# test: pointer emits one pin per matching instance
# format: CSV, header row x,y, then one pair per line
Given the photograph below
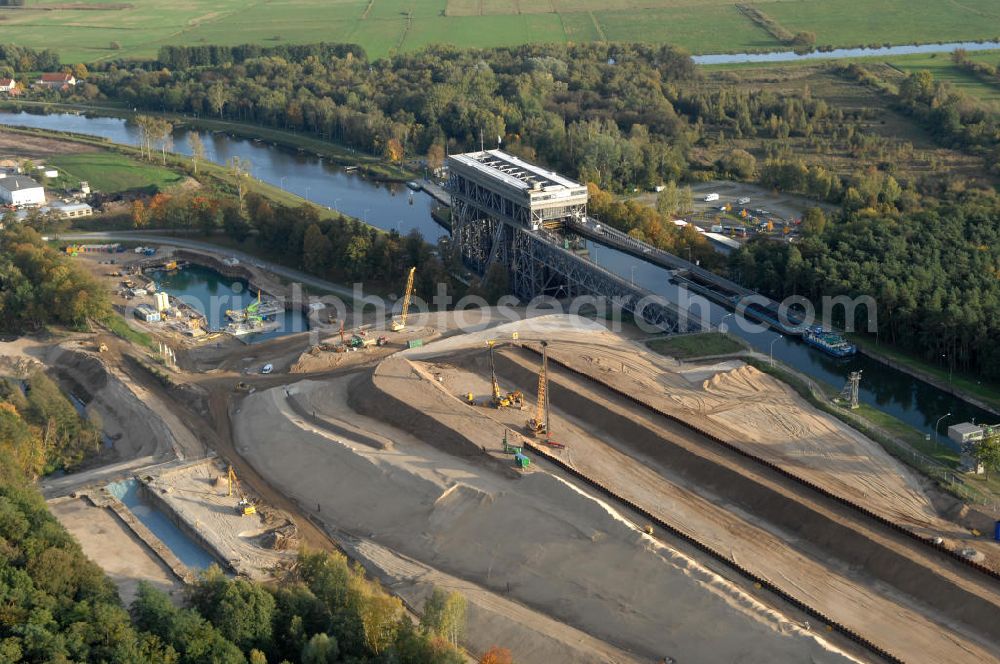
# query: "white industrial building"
x,y
20,190
69,210
965,432
147,313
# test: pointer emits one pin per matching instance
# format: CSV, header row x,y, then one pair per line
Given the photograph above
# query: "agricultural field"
x,y
944,69
110,173
95,30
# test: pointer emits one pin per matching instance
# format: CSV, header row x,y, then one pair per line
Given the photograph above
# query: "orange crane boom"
x,y
540,422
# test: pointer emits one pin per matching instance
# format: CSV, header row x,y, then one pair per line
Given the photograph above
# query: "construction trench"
x,y
852,571
698,511
784,542
820,527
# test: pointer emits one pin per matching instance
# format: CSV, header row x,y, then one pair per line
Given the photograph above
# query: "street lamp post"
x,y
336,204
722,323
944,356
365,213
283,182
936,424
771,349
632,278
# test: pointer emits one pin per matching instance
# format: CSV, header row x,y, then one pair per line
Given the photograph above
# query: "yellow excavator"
x,y
244,507
399,324
499,399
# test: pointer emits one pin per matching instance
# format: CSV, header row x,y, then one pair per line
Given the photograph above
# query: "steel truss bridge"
x,y
505,212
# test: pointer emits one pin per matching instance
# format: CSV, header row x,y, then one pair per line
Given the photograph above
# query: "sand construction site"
x,y
749,551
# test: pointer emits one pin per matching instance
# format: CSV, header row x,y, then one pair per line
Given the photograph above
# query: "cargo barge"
x,y
830,343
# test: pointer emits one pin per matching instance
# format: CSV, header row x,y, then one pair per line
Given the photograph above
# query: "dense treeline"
x,y
23,59
933,273
181,57
39,286
42,427
57,605
620,116
324,611
341,249
565,105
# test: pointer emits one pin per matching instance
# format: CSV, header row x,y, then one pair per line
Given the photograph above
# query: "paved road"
x,y
152,237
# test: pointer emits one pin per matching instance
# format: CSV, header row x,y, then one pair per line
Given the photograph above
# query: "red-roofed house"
x,y
56,80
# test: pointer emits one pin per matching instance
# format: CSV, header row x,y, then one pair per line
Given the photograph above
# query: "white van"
x,y
711,197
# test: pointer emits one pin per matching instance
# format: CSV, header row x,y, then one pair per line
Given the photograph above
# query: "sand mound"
x,y
542,541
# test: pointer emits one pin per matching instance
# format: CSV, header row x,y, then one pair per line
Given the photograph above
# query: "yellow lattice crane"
x,y
539,424
399,324
244,507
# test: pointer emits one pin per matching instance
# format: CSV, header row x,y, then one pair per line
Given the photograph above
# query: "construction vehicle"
x,y
358,341
499,399
539,424
244,507
399,324
508,448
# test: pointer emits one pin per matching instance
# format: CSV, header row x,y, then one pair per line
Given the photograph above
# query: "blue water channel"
x,y
185,548
386,205
211,294
909,399
841,53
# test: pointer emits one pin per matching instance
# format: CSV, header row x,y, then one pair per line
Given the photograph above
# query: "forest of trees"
x,y
58,606
39,286
23,59
620,116
341,249
42,428
933,272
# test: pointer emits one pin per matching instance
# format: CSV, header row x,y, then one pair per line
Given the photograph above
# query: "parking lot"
x,y
780,206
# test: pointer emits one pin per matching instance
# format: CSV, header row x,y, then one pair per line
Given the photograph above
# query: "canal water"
x,y
909,399
895,392
186,549
841,53
386,205
211,294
